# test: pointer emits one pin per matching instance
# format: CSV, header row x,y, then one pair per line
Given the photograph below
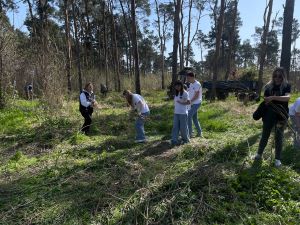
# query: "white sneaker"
x,y
140,141
277,163
257,156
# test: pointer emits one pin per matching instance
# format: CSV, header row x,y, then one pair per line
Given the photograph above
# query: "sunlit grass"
x,y
50,173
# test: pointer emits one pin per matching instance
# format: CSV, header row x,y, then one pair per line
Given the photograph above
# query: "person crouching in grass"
x,y
181,102
138,104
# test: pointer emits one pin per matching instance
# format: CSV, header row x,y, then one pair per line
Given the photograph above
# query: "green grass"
x,y
52,174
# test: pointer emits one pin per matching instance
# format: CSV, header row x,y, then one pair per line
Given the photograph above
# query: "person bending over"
x,y
138,104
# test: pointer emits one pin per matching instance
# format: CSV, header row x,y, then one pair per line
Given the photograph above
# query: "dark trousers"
x,y
270,121
87,115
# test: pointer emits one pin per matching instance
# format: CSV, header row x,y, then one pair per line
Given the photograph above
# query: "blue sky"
x,y
251,12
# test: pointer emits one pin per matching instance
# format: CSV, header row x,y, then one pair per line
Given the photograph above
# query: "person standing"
x,y
87,102
276,97
294,112
181,102
195,94
138,104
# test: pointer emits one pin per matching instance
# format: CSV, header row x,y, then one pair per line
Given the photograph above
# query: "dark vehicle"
x,y
244,90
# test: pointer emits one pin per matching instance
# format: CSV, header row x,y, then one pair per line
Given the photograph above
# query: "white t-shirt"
x,y
136,98
295,108
180,108
193,88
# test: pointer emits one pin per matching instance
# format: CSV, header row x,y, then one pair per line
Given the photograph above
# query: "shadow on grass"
x,y
110,191
157,148
291,156
235,152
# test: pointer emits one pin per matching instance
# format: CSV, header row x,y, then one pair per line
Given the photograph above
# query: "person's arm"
x,y
196,95
84,101
185,101
285,98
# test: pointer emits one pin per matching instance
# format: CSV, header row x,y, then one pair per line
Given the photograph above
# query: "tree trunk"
x,y
181,41
175,41
2,101
135,49
263,48
77,47
285,60
68,40
105,44
217,52
128,47
115,49
232,35
161,45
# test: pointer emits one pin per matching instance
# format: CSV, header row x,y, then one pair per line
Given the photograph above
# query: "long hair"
x,y
284,82
128,95
179,83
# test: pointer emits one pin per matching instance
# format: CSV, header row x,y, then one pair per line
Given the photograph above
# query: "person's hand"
x,y
268,99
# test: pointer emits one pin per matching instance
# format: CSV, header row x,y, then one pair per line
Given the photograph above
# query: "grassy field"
x,y
52,174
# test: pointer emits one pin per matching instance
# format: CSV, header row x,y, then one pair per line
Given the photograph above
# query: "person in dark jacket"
x,y
276,98
87,103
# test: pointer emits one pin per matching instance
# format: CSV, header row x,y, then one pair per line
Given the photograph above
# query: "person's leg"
x,y
296,132
267,128
87,121
139,128
279,132
184,128
195,119
191,113
175,130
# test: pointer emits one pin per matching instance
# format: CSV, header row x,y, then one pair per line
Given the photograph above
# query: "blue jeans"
x,y
297,132
180,124
193,116
139,126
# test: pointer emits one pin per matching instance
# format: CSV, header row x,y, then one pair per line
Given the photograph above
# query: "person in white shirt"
x,y
181,102
294,112
138,103
195,94
87,102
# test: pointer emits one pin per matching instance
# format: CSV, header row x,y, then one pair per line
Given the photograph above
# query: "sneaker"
x,y
200,135
257,156
140,141
277,163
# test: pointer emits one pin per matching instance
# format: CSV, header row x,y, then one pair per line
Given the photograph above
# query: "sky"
x,y
251,13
